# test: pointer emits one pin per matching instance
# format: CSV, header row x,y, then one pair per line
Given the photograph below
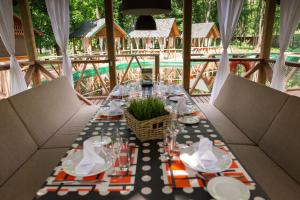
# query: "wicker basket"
x,y
148,129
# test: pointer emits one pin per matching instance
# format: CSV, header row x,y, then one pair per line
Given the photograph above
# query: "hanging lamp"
x,y
145,23
146,7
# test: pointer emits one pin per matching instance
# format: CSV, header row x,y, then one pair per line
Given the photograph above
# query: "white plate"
x,y
96,140
189,120
117,94
119,102
175,98
191,109
70,163
224,160
227,188
105,112
175,92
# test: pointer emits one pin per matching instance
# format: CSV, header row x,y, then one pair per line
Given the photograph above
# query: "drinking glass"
x,y
124,155
114,146
170,149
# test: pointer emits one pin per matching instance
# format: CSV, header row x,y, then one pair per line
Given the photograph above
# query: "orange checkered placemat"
x,y
177,175
120,181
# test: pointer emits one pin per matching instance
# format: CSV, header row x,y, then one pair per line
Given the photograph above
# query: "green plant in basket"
x,y
149,108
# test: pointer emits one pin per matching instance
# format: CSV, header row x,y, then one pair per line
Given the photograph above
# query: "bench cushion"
x,y
274,181
282,141
68,133
230,133
24,184
250,106
79,120
46,108
17,145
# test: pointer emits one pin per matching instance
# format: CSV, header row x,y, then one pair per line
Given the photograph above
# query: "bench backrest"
x,y
250,106
282,140
17,145
46,108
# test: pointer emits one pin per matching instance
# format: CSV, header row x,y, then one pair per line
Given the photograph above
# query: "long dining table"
x,y
150,175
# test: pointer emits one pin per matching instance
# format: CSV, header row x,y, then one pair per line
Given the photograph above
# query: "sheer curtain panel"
x,y
7,33
58,11
228,14
289,19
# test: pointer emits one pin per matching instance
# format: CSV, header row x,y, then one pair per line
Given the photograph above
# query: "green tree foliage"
x,y
203,10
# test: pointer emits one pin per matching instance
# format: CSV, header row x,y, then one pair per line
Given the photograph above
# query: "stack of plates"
x,y
227,188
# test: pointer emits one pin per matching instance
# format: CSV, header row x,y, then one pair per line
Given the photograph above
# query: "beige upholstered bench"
x,y
262,127
36,127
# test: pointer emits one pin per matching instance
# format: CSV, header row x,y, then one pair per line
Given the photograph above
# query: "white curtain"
x,y
228,15
7,33
101,43
137,42
161,43
289,19
118,42
171,41
58,11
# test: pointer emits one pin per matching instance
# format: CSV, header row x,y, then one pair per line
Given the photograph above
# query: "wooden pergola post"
x,y
265,49
108,9
33,73
28,30
187,33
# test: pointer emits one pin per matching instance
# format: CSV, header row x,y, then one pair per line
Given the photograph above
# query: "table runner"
x,y
149,179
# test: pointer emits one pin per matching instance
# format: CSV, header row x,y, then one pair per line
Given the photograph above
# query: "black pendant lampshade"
x,y
145,23
146,7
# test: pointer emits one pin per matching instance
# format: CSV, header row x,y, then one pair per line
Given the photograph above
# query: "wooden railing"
x,y
208,67
203,69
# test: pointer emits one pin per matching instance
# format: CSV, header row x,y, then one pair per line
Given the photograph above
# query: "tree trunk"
x,y
208,11
97,13
260,27
57,50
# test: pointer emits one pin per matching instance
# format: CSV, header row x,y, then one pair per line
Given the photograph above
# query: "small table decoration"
x,y
147,118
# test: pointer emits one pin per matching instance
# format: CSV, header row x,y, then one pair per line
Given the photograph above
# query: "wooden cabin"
x,y
163,38
96,30
21,52
204,34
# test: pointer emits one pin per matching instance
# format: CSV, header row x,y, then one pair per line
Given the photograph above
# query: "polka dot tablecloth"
x,y
148,175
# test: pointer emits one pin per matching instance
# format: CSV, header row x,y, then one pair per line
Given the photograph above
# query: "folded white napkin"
x,y
89,160
120,91
204,154
181,106
114,108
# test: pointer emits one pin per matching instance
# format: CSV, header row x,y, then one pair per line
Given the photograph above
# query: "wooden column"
x,y
187,32
269,17
156,68
108,8
28,30
123,43
265,49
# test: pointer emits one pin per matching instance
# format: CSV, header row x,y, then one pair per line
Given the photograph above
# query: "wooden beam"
x,y
269,17
36,77
156,68
28,30
82,98
138,62
187,32
252,70
127,69
199,76
100,79
111,54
